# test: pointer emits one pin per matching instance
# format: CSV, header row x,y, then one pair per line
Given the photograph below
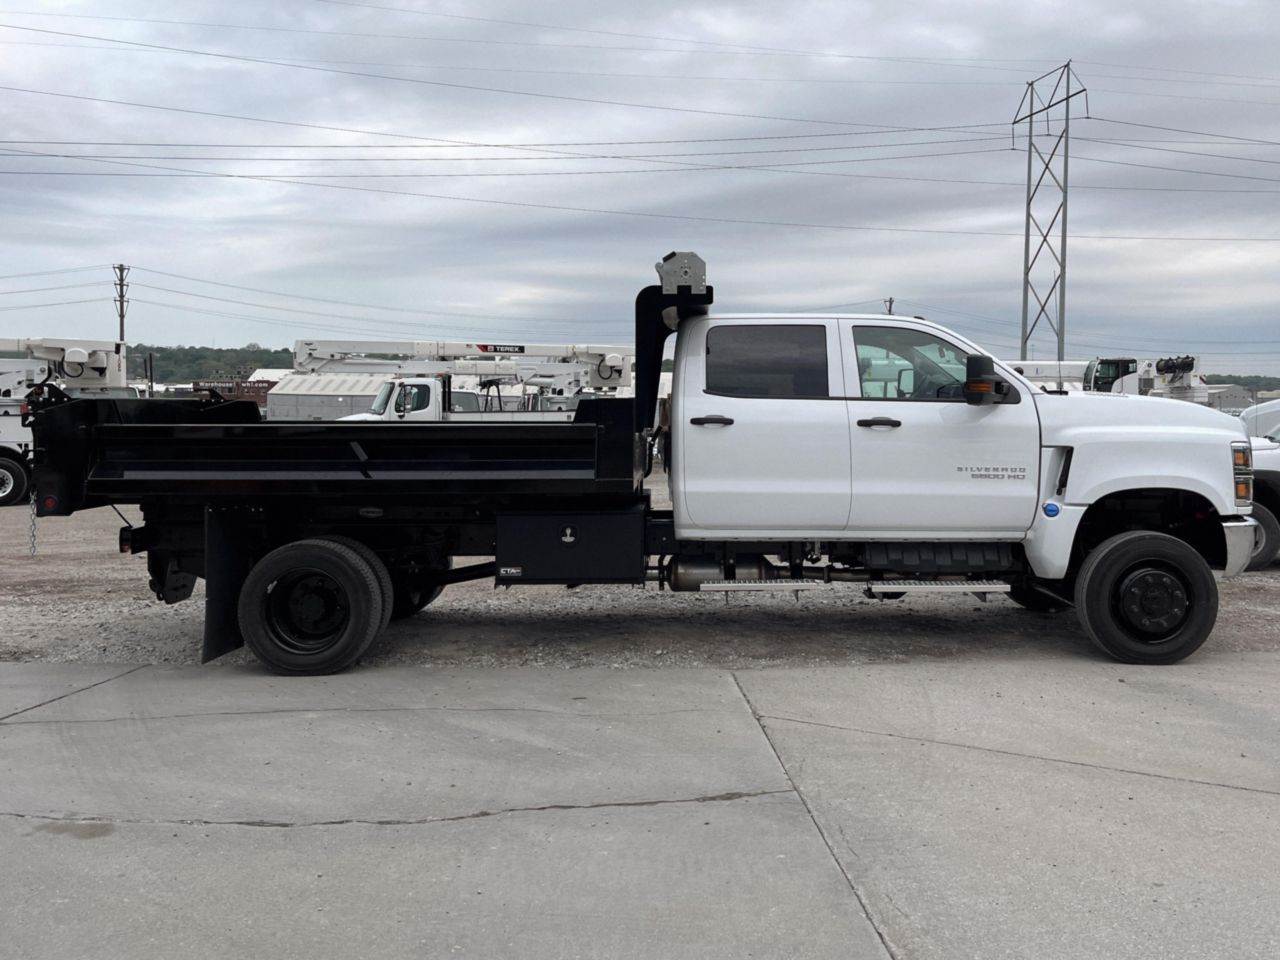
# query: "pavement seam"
x,y
72,693
356,821
1027,756
304,710
853,888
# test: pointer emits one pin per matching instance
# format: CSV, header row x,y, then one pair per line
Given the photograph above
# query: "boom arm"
x,y
80,363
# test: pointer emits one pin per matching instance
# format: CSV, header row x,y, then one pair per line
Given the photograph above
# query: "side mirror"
x,y
906,381
980,380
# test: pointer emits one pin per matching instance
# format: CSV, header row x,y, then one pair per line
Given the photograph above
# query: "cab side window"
x,y
898,363
766,360
411,399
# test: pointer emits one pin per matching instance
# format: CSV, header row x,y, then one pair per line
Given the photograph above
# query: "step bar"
x,y
872,588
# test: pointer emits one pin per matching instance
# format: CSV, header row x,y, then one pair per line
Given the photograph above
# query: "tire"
x,y
379,570
1025,595
414,591
14,482
1146,598
1266,545
310,607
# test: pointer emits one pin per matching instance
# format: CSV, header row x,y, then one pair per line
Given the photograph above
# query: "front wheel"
x,y
1146,598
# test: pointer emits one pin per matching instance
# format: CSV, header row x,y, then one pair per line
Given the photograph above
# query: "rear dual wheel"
x,y
1146,598
311,607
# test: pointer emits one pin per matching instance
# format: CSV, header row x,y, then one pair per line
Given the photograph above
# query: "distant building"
x,y
1229,397
237,388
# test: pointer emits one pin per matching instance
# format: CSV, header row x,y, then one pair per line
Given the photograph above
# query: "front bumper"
x,y
1239,535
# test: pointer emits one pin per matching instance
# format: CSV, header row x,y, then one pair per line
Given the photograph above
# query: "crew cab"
x,y
806,452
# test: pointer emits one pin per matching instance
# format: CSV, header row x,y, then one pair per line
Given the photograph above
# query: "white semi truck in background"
x,y
79,367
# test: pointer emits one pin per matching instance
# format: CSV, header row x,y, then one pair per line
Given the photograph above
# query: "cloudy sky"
x,y
510,171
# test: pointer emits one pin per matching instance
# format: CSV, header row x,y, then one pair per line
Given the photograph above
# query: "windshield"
x,y
383,398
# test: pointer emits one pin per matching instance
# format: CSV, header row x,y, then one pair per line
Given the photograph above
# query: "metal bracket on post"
x,y
1047,100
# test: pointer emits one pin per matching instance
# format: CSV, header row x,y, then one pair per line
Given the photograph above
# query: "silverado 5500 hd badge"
x,y
994,473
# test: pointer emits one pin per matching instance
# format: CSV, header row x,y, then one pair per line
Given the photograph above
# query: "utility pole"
x,y
888,306
1047,101
122,288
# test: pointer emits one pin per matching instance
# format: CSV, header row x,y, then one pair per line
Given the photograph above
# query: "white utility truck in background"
x,y
1173,378
433,400
480,378
80,367
797,464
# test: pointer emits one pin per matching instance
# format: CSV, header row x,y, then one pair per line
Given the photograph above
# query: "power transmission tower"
x,y
1047,101
122,288
888,306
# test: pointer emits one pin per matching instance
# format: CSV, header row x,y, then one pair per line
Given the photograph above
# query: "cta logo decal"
x,y
994,473
511,571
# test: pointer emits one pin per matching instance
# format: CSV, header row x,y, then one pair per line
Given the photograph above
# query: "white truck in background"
x,y
79,367
433,400
1172,378
436,379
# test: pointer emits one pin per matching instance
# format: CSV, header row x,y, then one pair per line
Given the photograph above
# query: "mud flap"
x,y
226,564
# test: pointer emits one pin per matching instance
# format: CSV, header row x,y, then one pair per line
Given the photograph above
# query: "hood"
x,y
359,418
1104,411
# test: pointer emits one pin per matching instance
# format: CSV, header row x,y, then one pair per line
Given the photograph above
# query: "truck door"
x,y
761,439
925,463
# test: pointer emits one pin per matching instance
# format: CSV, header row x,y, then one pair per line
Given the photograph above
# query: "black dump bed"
x,y
93,452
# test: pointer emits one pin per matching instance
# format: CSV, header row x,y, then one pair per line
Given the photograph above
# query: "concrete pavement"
x,y
1026,806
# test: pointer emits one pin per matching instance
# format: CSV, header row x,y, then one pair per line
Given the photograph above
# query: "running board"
x,y
872,588
762,586
876,587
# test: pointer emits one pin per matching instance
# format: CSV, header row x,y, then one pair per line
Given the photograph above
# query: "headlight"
x,y
1242,471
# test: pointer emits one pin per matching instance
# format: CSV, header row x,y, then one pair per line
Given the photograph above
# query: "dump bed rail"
x,y
93,452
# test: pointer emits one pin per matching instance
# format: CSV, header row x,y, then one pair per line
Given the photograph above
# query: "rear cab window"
x,y
775,361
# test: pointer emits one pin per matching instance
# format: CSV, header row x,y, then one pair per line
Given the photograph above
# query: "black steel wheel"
x,y
1266,538
414,589
1146,598
13,482
310,607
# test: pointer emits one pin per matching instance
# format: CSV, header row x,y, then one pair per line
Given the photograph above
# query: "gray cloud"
x,y
579,271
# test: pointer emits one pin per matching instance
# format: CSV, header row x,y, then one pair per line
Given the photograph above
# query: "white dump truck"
x,y
882,454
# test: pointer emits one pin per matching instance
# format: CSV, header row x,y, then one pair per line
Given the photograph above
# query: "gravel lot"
x,y
81,601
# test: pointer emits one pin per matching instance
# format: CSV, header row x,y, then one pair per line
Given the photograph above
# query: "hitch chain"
x,y
33,523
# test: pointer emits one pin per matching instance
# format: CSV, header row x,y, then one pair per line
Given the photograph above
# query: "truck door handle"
x,y
714,418
880,422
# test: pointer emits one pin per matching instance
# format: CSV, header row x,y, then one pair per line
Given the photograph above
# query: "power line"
x,y
738,49
684,218
1201,133
61,303
642,156
50,273
340,316
69,286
